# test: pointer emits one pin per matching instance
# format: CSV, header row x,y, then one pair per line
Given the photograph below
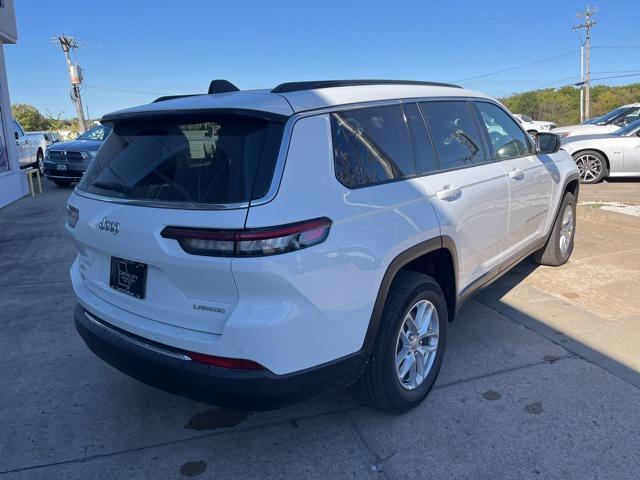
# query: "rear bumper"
x,y
171,370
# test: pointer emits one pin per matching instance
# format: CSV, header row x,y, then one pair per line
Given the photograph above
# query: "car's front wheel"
x,y
560,243
40,163
409,349
592,166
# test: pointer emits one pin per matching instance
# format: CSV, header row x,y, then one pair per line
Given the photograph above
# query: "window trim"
x,y
488,138
413,140
352,106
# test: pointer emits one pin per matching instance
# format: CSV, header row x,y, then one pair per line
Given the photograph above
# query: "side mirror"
x,y
547,142
16,135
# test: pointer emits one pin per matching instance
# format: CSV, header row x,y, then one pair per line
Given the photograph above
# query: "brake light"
x,y
254,242
224,362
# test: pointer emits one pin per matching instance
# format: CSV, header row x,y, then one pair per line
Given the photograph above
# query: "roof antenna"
x,y
222,86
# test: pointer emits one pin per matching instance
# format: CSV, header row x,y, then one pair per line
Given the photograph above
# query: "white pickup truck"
x,y
30,147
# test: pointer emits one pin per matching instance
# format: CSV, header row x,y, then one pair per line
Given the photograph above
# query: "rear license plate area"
x,y
128,277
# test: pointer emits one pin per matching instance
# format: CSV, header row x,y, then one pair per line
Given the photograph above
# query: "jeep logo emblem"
x,y
109,226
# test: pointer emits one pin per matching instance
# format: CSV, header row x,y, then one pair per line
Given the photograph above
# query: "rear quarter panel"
x,y
371,226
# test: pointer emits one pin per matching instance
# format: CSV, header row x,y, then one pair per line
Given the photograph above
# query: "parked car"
x,y
250,249
66,162
533,126
608,123
614,154
30,147
49,137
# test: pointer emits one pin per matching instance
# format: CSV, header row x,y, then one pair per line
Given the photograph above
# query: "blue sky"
x,y
134,51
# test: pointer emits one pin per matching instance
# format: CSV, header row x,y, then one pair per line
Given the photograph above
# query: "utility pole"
x,y
582,117
587,24
75,75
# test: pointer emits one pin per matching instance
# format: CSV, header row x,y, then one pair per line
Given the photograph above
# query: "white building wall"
x,y
13,182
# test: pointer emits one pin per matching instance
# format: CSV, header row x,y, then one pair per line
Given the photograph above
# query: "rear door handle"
x,y
449,192
517,174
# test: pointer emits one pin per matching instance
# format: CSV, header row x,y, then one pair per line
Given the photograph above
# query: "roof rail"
x,y
310,85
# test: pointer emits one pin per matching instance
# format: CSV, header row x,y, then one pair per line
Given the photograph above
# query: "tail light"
x,y
72,216
254,242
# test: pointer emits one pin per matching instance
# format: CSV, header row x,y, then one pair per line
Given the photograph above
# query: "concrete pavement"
x,y
540,380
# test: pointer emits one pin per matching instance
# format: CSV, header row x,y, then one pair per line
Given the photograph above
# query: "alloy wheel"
x,y
590,167
566,229
417,344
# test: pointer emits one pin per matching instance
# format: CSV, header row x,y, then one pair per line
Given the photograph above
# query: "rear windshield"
x,y
226,159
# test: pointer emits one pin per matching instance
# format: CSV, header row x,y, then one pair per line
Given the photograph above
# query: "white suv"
x,y
253,248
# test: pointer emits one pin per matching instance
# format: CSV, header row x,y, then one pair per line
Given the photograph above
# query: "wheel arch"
x,y
436,257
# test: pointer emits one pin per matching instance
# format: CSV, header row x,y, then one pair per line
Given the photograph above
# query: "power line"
x,y
618,76
618,46
573,80
517,67
563,81
143,92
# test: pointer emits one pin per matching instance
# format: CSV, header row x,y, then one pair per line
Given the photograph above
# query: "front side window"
x,y
608,117
221,160
371,146
627,117
454,132
507,139
629,129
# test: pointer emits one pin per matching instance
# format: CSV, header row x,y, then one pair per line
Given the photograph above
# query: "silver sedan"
x,y
600,156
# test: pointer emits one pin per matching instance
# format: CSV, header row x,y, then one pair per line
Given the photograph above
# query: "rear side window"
x,y
371,145
422,146
454,132
226,159
507,139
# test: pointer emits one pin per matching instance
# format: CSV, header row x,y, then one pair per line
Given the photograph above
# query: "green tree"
x,y
562,105
56,122
29,117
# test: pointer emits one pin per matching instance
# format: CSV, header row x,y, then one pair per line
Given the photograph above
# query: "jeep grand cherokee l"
x,y
253,248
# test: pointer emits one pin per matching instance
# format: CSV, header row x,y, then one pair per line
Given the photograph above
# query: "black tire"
x,y
40,163
379,383
592,165
62,183
554,254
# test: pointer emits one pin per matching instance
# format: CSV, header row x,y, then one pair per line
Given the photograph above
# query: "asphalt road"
x,y
541,380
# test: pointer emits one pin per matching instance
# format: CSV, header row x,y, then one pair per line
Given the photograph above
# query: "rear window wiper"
x,y
113,186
